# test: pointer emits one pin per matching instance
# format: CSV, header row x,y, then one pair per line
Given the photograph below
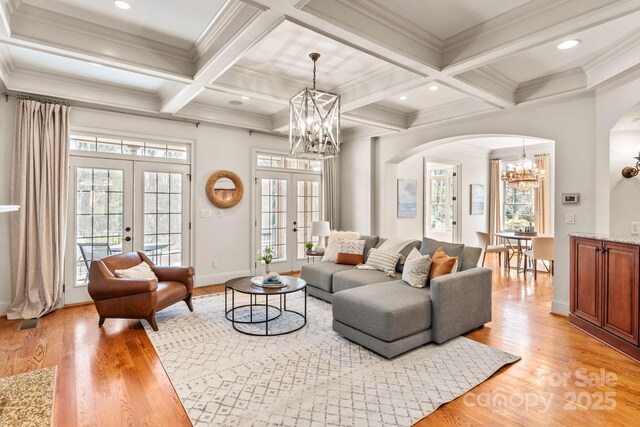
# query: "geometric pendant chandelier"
x,y
314,122
524,175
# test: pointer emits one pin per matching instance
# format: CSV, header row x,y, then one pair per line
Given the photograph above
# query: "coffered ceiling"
x,y
237,62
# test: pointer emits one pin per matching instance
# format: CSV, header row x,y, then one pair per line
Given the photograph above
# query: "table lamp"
x,y
320,229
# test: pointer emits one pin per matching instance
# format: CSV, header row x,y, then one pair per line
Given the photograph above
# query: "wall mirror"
x,y
224,189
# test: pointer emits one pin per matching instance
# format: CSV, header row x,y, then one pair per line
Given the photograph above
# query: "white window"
x,y
440,185
128,147
518,205
265,160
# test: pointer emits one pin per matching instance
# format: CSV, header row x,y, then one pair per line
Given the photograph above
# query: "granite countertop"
x,y
631,240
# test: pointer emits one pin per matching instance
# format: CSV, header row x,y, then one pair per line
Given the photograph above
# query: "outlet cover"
x,y
214,263
635,228
205,213
570,218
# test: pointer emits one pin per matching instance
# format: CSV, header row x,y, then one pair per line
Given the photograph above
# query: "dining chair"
x,y
487,247
541,249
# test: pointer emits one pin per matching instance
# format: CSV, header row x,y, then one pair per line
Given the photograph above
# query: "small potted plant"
x,y
266,256
308,246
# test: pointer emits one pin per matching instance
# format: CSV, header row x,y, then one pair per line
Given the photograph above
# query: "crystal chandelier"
x,y
314,122
524,175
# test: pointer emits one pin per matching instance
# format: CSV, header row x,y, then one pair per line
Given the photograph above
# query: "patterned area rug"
x,y
27,399
310,377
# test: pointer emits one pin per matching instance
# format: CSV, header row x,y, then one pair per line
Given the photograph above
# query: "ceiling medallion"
x,y
314,122
524,175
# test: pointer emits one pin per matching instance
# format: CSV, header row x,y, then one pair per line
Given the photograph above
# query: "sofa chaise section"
x,y
319,277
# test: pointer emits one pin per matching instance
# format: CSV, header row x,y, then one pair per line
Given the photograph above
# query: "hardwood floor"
x,y
111,376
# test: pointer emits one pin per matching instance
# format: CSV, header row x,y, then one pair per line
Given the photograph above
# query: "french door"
x,y
121,206
286,205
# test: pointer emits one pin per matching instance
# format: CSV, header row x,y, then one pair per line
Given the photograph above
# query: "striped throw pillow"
x,y
383,261
350,252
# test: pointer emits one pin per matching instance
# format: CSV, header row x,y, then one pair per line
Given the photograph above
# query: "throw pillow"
x,y
383,261
331,252
416,269
350,252
442,264
429,247
140,271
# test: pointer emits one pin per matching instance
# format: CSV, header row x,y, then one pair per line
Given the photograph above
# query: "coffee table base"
x,y
267,320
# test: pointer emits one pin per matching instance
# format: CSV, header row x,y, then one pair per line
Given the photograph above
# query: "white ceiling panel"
x,y
177,23
547,59
422,98
447,18
285,53
33,60
226,100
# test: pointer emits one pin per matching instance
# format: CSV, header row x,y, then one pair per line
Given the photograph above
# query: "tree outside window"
x,y
518,205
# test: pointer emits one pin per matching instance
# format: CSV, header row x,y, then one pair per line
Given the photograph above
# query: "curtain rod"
x,y
43,100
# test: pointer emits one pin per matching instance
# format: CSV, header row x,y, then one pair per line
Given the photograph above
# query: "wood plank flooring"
x,y
112,376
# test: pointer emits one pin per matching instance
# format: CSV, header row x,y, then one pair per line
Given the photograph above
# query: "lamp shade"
x,y
320,228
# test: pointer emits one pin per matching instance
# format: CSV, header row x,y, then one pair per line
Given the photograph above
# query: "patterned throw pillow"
x,y
350,252
416,269
331,253
383,261
442,264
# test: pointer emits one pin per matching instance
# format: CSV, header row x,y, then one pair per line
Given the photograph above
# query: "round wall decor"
x,y
224,189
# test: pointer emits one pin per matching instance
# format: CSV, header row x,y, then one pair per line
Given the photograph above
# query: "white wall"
x,y
474,169
569,121
624,193
7,115
226,239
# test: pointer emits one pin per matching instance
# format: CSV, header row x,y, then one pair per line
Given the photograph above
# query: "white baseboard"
x,y
4,307
215,279
560,307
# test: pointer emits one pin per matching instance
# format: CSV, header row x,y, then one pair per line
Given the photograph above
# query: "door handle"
x,y
597,249
295,230
127,229
127,239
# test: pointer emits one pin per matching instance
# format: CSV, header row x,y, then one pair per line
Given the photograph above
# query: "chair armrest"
x,y
175,274
460,302
104,285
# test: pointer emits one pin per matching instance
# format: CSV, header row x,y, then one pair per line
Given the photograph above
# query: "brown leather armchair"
x,y
137,298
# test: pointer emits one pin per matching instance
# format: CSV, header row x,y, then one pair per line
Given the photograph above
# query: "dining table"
x,y
518,243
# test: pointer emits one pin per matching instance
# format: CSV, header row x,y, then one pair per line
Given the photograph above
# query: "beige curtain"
x,y
495,204
332,192
39,185
541,197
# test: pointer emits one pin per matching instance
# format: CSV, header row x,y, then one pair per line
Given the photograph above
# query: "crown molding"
x,y
242,119
449,111
63,87
463,148
619,57
560,83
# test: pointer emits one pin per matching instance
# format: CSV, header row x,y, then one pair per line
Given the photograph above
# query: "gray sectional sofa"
x,y
390,317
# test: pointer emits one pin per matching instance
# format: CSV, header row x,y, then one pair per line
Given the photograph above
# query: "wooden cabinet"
x,y
605,292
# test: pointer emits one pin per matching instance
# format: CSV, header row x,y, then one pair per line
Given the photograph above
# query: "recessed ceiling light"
x,y
568,44
235,102
403,98
245,97
433,88
122,4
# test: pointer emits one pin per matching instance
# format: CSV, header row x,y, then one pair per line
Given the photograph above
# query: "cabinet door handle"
x,y
597,249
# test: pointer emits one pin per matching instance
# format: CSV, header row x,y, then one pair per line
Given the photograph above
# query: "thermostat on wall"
x,y
570,198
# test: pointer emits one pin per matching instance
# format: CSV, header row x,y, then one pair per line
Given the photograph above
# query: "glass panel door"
x,y
308,202
163,203
272,223
100,218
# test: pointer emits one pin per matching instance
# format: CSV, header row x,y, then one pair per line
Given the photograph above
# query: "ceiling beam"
x,y
525,27
620,57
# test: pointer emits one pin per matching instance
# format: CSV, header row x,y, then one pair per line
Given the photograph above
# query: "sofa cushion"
x,y
319,274
471,257
369,243
355,278
405,252
430,246
387,311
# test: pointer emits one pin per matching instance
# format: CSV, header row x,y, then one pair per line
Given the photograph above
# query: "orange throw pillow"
x,y
442,264
350,259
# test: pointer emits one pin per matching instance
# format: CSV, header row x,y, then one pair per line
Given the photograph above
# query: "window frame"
x,y
448,200
506,189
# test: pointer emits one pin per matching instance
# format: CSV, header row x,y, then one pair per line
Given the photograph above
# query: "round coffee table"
x,y
244,286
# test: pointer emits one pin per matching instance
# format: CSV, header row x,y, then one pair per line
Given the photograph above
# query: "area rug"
x,y
309,377
27,399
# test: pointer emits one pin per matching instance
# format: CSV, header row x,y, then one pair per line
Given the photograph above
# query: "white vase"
x,y
267,269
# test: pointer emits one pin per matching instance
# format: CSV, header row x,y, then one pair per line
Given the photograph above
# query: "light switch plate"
x,y
205,213
570,218
635,228
220,213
